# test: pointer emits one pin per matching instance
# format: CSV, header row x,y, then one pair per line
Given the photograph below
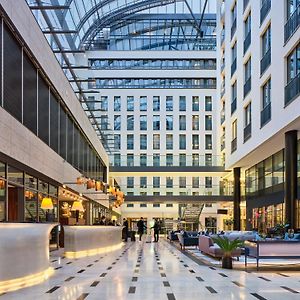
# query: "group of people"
x,y
108,222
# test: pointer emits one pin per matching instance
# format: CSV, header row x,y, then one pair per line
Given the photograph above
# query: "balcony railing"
x,y
265,62
247,86
292,90
247,132
233,145
264,10
233,106
247,42
265,115
292,24
233,67
233,28
245,4
222,116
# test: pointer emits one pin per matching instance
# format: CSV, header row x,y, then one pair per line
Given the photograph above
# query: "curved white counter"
x,y
83,241
24,254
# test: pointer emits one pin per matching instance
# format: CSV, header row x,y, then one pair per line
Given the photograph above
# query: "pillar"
x,y
236,199
290,187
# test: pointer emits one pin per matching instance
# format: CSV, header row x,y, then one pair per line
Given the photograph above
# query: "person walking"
x,y
125,230
141,227
156,228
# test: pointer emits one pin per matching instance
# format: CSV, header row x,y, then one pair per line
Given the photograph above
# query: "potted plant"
x,y
228,247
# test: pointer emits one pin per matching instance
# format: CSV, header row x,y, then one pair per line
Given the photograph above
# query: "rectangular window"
x,y
156,122
208,142
130,141
169,141
143,182
182,141
117,141
195,159
208,122
182,182
156,160
169,205
117,122
104,103
208,103
208,160
169,160
248,115
247,70
143,142
156,103
195,182
195,122
117,103
156,141
130,204
234,136
195,103
130,122
143,160
156,182
169,182
169,103
130,182
247,26
117,159
143,204
208,182
266,41
130,160
156,204
266,100
169,122
130,103
143,122
182,160
143,103
182,122
195,141
293,64
182,103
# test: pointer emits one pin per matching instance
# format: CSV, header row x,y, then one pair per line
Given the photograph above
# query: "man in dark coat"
x,y
156,228
141,227
125,229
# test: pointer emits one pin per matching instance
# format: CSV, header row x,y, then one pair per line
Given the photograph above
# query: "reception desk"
x,y
24,255
83,241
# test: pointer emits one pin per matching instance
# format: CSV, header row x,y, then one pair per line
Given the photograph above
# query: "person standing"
x,y
125,230
156,228
141,227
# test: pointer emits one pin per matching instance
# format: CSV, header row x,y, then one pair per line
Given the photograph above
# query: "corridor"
x,y
153,271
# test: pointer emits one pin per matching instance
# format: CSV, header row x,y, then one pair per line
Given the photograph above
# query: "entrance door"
x,y
15,204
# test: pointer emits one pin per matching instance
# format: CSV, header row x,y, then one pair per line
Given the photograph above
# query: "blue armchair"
x,y
188,238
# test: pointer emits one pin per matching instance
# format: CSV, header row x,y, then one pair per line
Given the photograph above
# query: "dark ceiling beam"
x,y
59,31
48,7
67,51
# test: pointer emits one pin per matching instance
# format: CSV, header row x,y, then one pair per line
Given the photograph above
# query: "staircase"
x,y
191,213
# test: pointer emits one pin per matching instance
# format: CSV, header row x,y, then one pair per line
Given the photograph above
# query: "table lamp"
x,y
77,207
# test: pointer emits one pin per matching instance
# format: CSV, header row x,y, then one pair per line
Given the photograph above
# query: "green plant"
x,y
228,246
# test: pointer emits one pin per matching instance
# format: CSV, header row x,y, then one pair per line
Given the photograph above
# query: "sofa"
x,y
188,238
241,235
207,246
173,235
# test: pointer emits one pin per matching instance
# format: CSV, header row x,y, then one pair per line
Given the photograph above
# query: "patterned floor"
x,y
142,271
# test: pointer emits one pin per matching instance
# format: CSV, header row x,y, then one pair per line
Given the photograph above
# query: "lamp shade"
x,y
77,205
47,203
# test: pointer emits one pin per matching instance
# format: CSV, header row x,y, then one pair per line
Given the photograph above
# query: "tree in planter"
x,y
228,247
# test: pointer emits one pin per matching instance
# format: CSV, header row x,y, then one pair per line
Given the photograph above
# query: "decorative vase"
x,y
227,262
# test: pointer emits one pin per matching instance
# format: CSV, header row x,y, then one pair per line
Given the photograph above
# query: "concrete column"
x,y
291,177
237,199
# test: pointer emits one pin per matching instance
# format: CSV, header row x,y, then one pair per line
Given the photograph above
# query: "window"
x,y
156,160
117,103
143,142
292,6
266,103
182,122
247,69
234,136
208,122
156,103
208,142
117,141
130,103
293,64
130,182
248,115
208,103
195,141
156,182
156,141
233,13
208,160
156,204
169,182
233,97
104,103
143,160
130,204
182,141
169,141
169,205
143,182
117,122
233,58
195,122
130,122
195,159
130,160
143,205
169,103
182,182
156,122
143,103
117,159
195,182
195,103
247,26
208,182
266,41
182,160
182,103
169,193
143,122
169,122
169,160
130,141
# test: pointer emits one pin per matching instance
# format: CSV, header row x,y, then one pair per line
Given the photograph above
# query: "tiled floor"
x,y
142,271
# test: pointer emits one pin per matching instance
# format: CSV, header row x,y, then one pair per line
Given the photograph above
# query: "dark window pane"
x,y
29,95
63,133
12,75
54,123
43,110
70,146
76,146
